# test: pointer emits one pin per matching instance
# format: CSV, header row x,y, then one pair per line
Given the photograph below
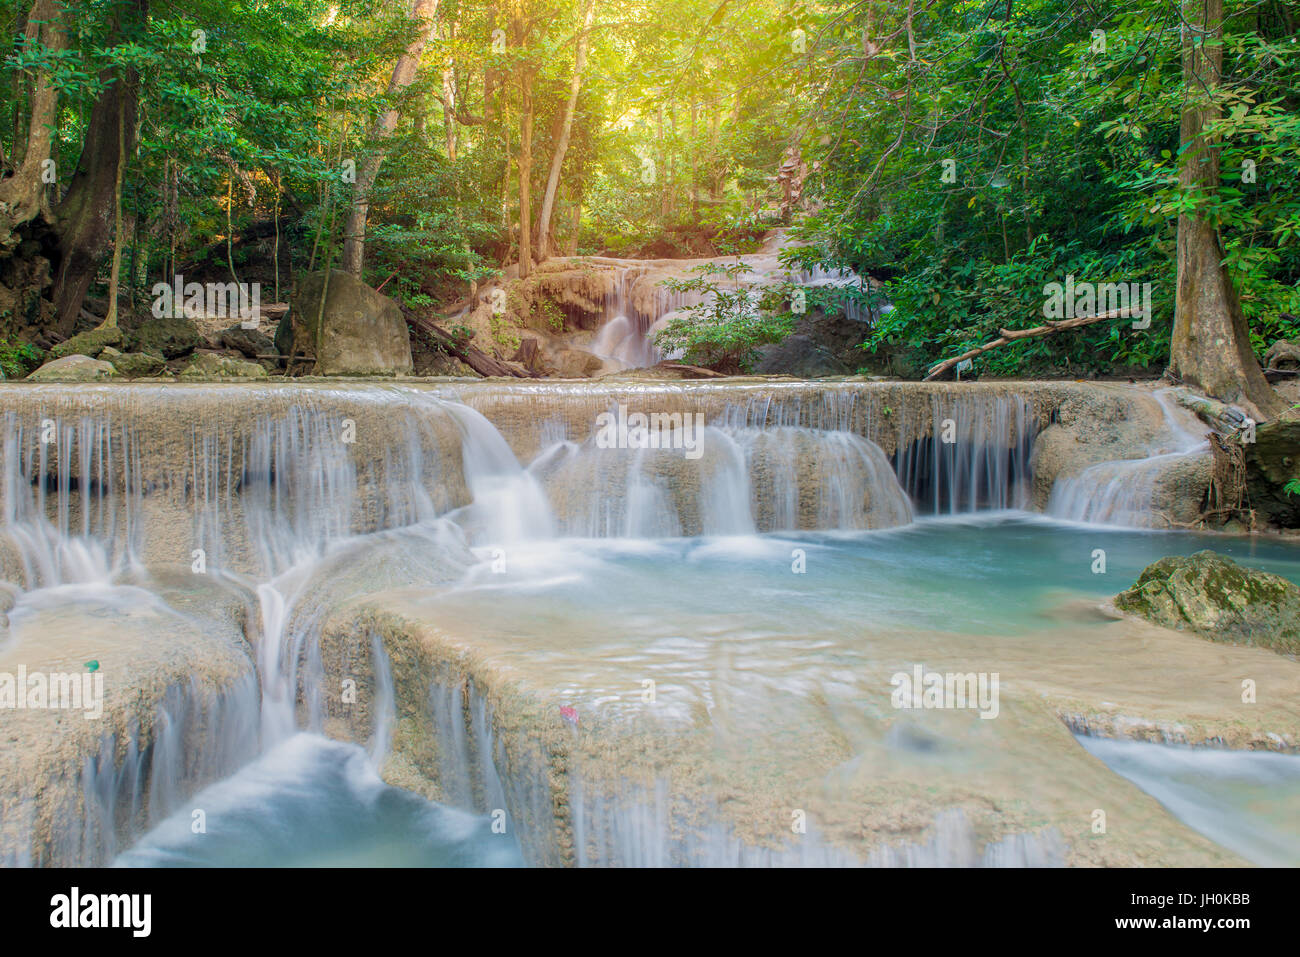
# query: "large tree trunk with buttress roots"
x,y
76,235
22,195
84,220
1211,342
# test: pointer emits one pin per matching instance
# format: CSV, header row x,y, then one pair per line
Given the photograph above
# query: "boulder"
x,y
1283,355
90,343
580,364
1214,597
359,331
251,343
74,369
284,335
134,365
170,338
210,365
446,365
800,354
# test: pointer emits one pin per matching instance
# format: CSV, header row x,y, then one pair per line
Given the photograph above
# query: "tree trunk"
x,y
525,175
354,232
575,225
22,195
716,170
110,320
545,244
472,356
1210,346
450,97
84,220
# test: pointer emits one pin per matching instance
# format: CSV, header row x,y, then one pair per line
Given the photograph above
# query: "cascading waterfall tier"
x,y
256,479
638,303
953,449
1171,448
245,522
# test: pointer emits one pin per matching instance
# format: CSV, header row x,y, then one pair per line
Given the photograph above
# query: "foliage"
x,y
965,154
724,330
248,142
18,359
974,153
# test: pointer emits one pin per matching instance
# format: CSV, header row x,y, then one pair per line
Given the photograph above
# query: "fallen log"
x,y
1006,336
472,356
1224,418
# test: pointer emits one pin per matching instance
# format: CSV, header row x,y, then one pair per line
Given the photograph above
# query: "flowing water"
x,y
1241,799
312,802
722,630
634,316
1123,492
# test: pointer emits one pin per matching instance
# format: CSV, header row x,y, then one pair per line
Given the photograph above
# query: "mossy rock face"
x,y
134,365
1272,461
169,337
1214,597
90,343
209,365
74,369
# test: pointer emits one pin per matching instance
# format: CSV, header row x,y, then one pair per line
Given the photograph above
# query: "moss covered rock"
x,y
169,337
74,369
90,343
1218,599
134,365
209,365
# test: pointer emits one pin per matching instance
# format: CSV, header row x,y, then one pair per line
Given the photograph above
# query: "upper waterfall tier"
x,y
258,477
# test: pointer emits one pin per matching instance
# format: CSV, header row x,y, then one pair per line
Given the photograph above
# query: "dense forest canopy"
x,y
964,153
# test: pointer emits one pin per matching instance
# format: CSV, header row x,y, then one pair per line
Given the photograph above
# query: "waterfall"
x,y
100,498
1123,492
746,480
621,822
638,304
647,492
622,336
625,332
507,503
130,782
975,456
78,536
814,479
294,507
